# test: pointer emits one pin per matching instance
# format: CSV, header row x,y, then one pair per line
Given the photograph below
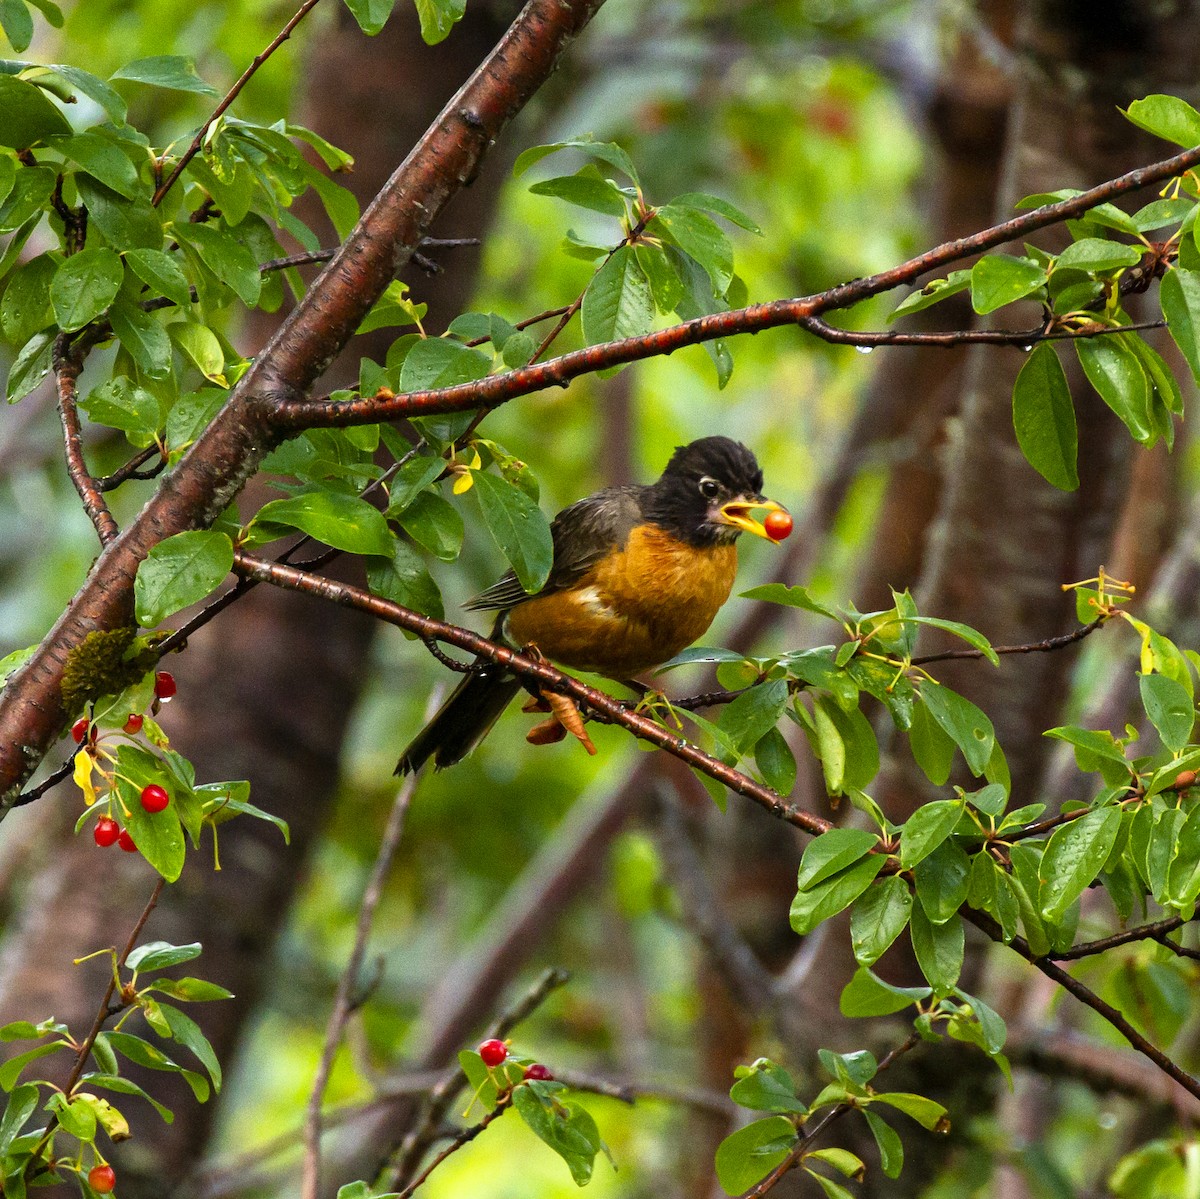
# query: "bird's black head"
x,y
707,491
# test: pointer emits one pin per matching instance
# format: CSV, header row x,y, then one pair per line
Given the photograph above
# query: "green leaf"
x,y
158,835
848,1164
1097,254
190,990
971,636
226,257
753,713
123,1086
170,71
999,279
792,597
586,189
939,949
17,22
969,728
187,1032
825,899
1179,294
202,346
618,302
142,1053
158,955
608,152
22,1102
1044,418
879,916
85,285
31,366
701,238
180,571
77,1118
866,994
438,17
94,88
926,1112
748,1155
372,15
11,1070
1169,708
927,828
25,308
766,1087
1074,856
126,223
708,203
434,523
932,748
30,116
1116,373
404,579
103,158
832,851
436,362
891,1148
776,762
518,527
160,272
932,293
565,1126
143,336
1167,117
120,404
343,521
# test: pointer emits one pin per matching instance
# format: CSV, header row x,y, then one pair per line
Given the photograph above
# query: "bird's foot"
x,y
565,718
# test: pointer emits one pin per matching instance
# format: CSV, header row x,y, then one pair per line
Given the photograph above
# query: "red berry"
x,y
164,684
778,525
538,1073
106,832
493,1052
154,798
125,841
79,729
102,1179
134,723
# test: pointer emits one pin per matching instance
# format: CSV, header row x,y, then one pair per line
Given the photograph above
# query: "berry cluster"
x,y
494,1053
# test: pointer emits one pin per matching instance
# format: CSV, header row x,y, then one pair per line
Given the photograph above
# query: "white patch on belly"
x,y
590,599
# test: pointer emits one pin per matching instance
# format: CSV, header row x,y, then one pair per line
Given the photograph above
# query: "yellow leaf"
x,y
463,481
84,766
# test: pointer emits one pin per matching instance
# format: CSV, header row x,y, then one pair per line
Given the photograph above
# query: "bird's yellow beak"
x,y
737,513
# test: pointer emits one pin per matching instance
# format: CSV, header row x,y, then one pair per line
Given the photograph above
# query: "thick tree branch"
x,y
228,453
603,705
558,372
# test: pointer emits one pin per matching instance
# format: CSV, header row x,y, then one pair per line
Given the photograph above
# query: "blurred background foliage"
x,y
813,117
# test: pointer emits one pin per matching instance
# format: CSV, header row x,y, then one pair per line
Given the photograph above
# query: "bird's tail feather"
x,y
463,720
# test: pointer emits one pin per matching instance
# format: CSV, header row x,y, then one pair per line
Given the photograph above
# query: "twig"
x,y
1152,932
804,1145
1088,998
465,1137
103,1014
132,469
343,1001
604,706
313,257
62,772
1182,951
67,366
558,372
1034,647
230,96
401,1163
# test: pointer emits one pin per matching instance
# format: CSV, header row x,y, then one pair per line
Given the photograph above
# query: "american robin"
x,y
639,573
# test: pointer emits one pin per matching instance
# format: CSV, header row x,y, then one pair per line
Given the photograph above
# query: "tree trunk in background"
x,y
289,668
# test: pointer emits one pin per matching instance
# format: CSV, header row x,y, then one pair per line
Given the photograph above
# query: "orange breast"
x,y
633,610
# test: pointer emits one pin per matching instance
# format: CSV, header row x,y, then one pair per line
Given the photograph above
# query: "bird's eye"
x,y
709,488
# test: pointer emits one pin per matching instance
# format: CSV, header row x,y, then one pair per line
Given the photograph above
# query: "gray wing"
x,y
583,533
